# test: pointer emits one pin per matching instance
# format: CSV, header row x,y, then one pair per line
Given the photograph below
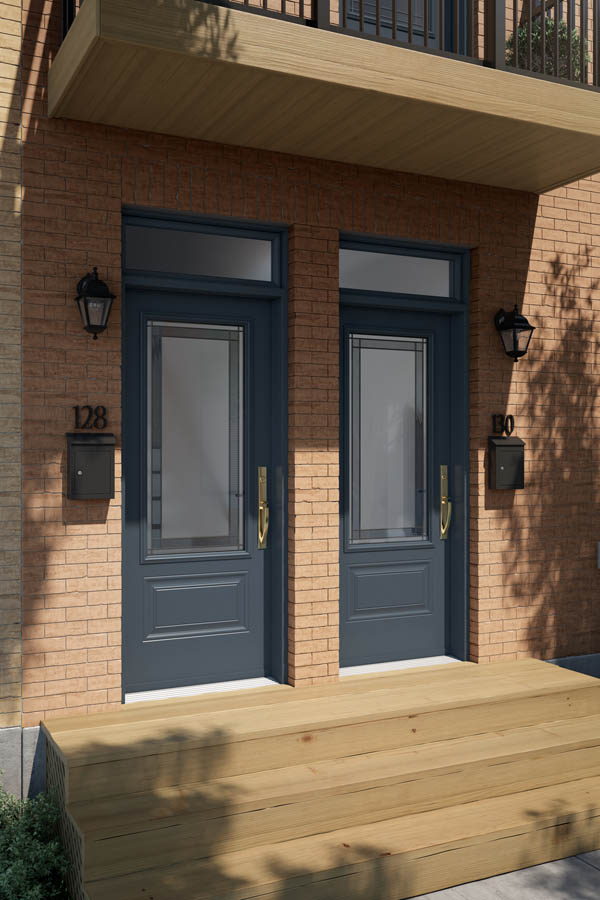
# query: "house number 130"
x,y
90,416
503,424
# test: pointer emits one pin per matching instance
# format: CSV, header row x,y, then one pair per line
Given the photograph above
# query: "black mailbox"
x,y
90,466
506,463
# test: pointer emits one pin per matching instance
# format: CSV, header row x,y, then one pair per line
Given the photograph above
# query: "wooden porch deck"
x,y
379,787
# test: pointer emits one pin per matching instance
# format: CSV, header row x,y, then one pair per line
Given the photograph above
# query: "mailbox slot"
x,y
506,464
90,466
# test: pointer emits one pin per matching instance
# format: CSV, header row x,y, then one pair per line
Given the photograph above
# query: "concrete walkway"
x,y
576,878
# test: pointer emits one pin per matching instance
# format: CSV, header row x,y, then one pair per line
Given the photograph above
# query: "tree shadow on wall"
x,y
564,395
546,551
204,29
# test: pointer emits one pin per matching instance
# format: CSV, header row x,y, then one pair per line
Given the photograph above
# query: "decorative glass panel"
x,y
364,270
388,491
184,252
195,435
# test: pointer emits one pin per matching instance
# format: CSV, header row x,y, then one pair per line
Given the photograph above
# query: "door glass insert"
x,y
195,438
388,422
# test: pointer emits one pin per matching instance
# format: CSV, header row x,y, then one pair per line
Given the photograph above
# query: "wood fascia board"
x,y
75,55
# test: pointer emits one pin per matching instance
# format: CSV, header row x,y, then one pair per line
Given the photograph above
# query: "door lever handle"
x,y
263,508
445,504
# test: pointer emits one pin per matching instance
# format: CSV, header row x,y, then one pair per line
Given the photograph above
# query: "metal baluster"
x,y
556,44
595,43
300,9
441,29
456,12
68,15
394,16
321,15
543,37
569,48
516,33
494,33
583,22
529,30
426,22
345,13
361,13
377,17
410,21
470,26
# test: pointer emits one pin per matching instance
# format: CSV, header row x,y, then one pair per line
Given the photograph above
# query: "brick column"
x,y
313,456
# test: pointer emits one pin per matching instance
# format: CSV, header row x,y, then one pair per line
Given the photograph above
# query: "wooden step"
x,y
210,738
174,824
386,860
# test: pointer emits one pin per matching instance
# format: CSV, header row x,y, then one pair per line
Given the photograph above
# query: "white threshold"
x,y
394,666
193,689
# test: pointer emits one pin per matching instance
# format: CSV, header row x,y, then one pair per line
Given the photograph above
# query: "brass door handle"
x,y
263,508
445,504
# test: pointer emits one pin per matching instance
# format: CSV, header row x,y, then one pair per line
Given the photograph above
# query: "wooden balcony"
x,y
428,88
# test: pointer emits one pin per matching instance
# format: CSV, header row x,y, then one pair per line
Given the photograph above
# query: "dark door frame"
x,y
275,291
457,308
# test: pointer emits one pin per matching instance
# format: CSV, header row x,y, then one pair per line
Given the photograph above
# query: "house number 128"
x,y
90,416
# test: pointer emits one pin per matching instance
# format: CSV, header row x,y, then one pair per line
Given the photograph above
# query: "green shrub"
x,y
32,861
550,47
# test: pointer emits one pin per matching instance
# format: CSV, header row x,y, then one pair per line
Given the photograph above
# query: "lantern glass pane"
x,y
523,338
508,340
83,312
97,311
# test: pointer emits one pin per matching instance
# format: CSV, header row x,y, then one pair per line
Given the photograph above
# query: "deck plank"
x,y
433,677
302,708
171,824
408,710
403,857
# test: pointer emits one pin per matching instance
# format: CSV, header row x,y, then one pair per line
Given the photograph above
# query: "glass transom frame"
x,y
387,439
195,434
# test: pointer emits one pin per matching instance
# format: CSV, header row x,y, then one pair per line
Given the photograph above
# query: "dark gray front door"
x,y
396,439
197,427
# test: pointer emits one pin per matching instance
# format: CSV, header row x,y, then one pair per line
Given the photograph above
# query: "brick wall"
x,y
534,580
10,362
533,574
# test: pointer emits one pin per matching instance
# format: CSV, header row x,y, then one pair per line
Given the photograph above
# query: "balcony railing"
x,y
551,39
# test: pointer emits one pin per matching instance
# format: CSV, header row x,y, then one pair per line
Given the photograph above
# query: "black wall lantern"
x,y
94,300
515,332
